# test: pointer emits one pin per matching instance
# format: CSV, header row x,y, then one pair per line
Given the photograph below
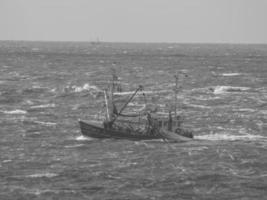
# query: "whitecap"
x,y
231,74
206,98
38,87
83,138
197,106
229,137
127,93
244,110
37,191
142,92
44,106
41,175
15,112
53,90
6,161
29,102
46,123
85,87
225,89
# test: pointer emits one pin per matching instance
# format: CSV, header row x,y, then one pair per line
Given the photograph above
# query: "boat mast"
x,y
113,83
175,93
125,105
109,95
107,106
176,76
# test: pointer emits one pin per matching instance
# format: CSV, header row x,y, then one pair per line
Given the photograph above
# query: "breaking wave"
x,y
225,89
140,93
85,87
46,123
44,106
231,74
189,105
83,138
15,112
41,175
229,137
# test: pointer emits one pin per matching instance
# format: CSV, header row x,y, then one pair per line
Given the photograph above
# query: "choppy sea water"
x,y
46,87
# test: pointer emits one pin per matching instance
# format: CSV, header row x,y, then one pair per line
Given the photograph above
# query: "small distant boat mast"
x,y
96,42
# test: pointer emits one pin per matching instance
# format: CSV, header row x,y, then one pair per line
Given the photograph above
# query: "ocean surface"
x,y
46,87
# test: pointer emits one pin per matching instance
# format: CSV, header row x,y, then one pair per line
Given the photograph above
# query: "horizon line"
x,y
133,42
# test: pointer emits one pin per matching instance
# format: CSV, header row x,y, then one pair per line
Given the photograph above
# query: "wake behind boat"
x,y
146,124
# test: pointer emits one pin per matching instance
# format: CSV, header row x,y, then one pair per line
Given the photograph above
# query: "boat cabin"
x,y
167,123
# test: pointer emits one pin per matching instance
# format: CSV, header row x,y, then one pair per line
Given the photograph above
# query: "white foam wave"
x,y
39,192
83,138
140,93
28,102
6,161
41,175
198,106
225,89
53,90
231,74
245,110
85,87
46,123
229,137
39,87
15,112
44,106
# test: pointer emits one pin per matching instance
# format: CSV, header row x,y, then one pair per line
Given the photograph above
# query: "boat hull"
x,y
98,131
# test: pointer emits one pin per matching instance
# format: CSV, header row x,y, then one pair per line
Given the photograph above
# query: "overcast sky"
x,y
212,21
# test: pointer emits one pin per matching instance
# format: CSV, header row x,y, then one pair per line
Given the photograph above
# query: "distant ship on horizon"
x,y
96,42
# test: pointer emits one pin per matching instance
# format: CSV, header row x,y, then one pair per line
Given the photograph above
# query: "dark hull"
x,y
98,131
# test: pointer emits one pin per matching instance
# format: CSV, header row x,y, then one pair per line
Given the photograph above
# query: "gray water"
x,y
46,87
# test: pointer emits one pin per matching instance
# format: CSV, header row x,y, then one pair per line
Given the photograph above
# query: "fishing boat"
x,y
144,125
